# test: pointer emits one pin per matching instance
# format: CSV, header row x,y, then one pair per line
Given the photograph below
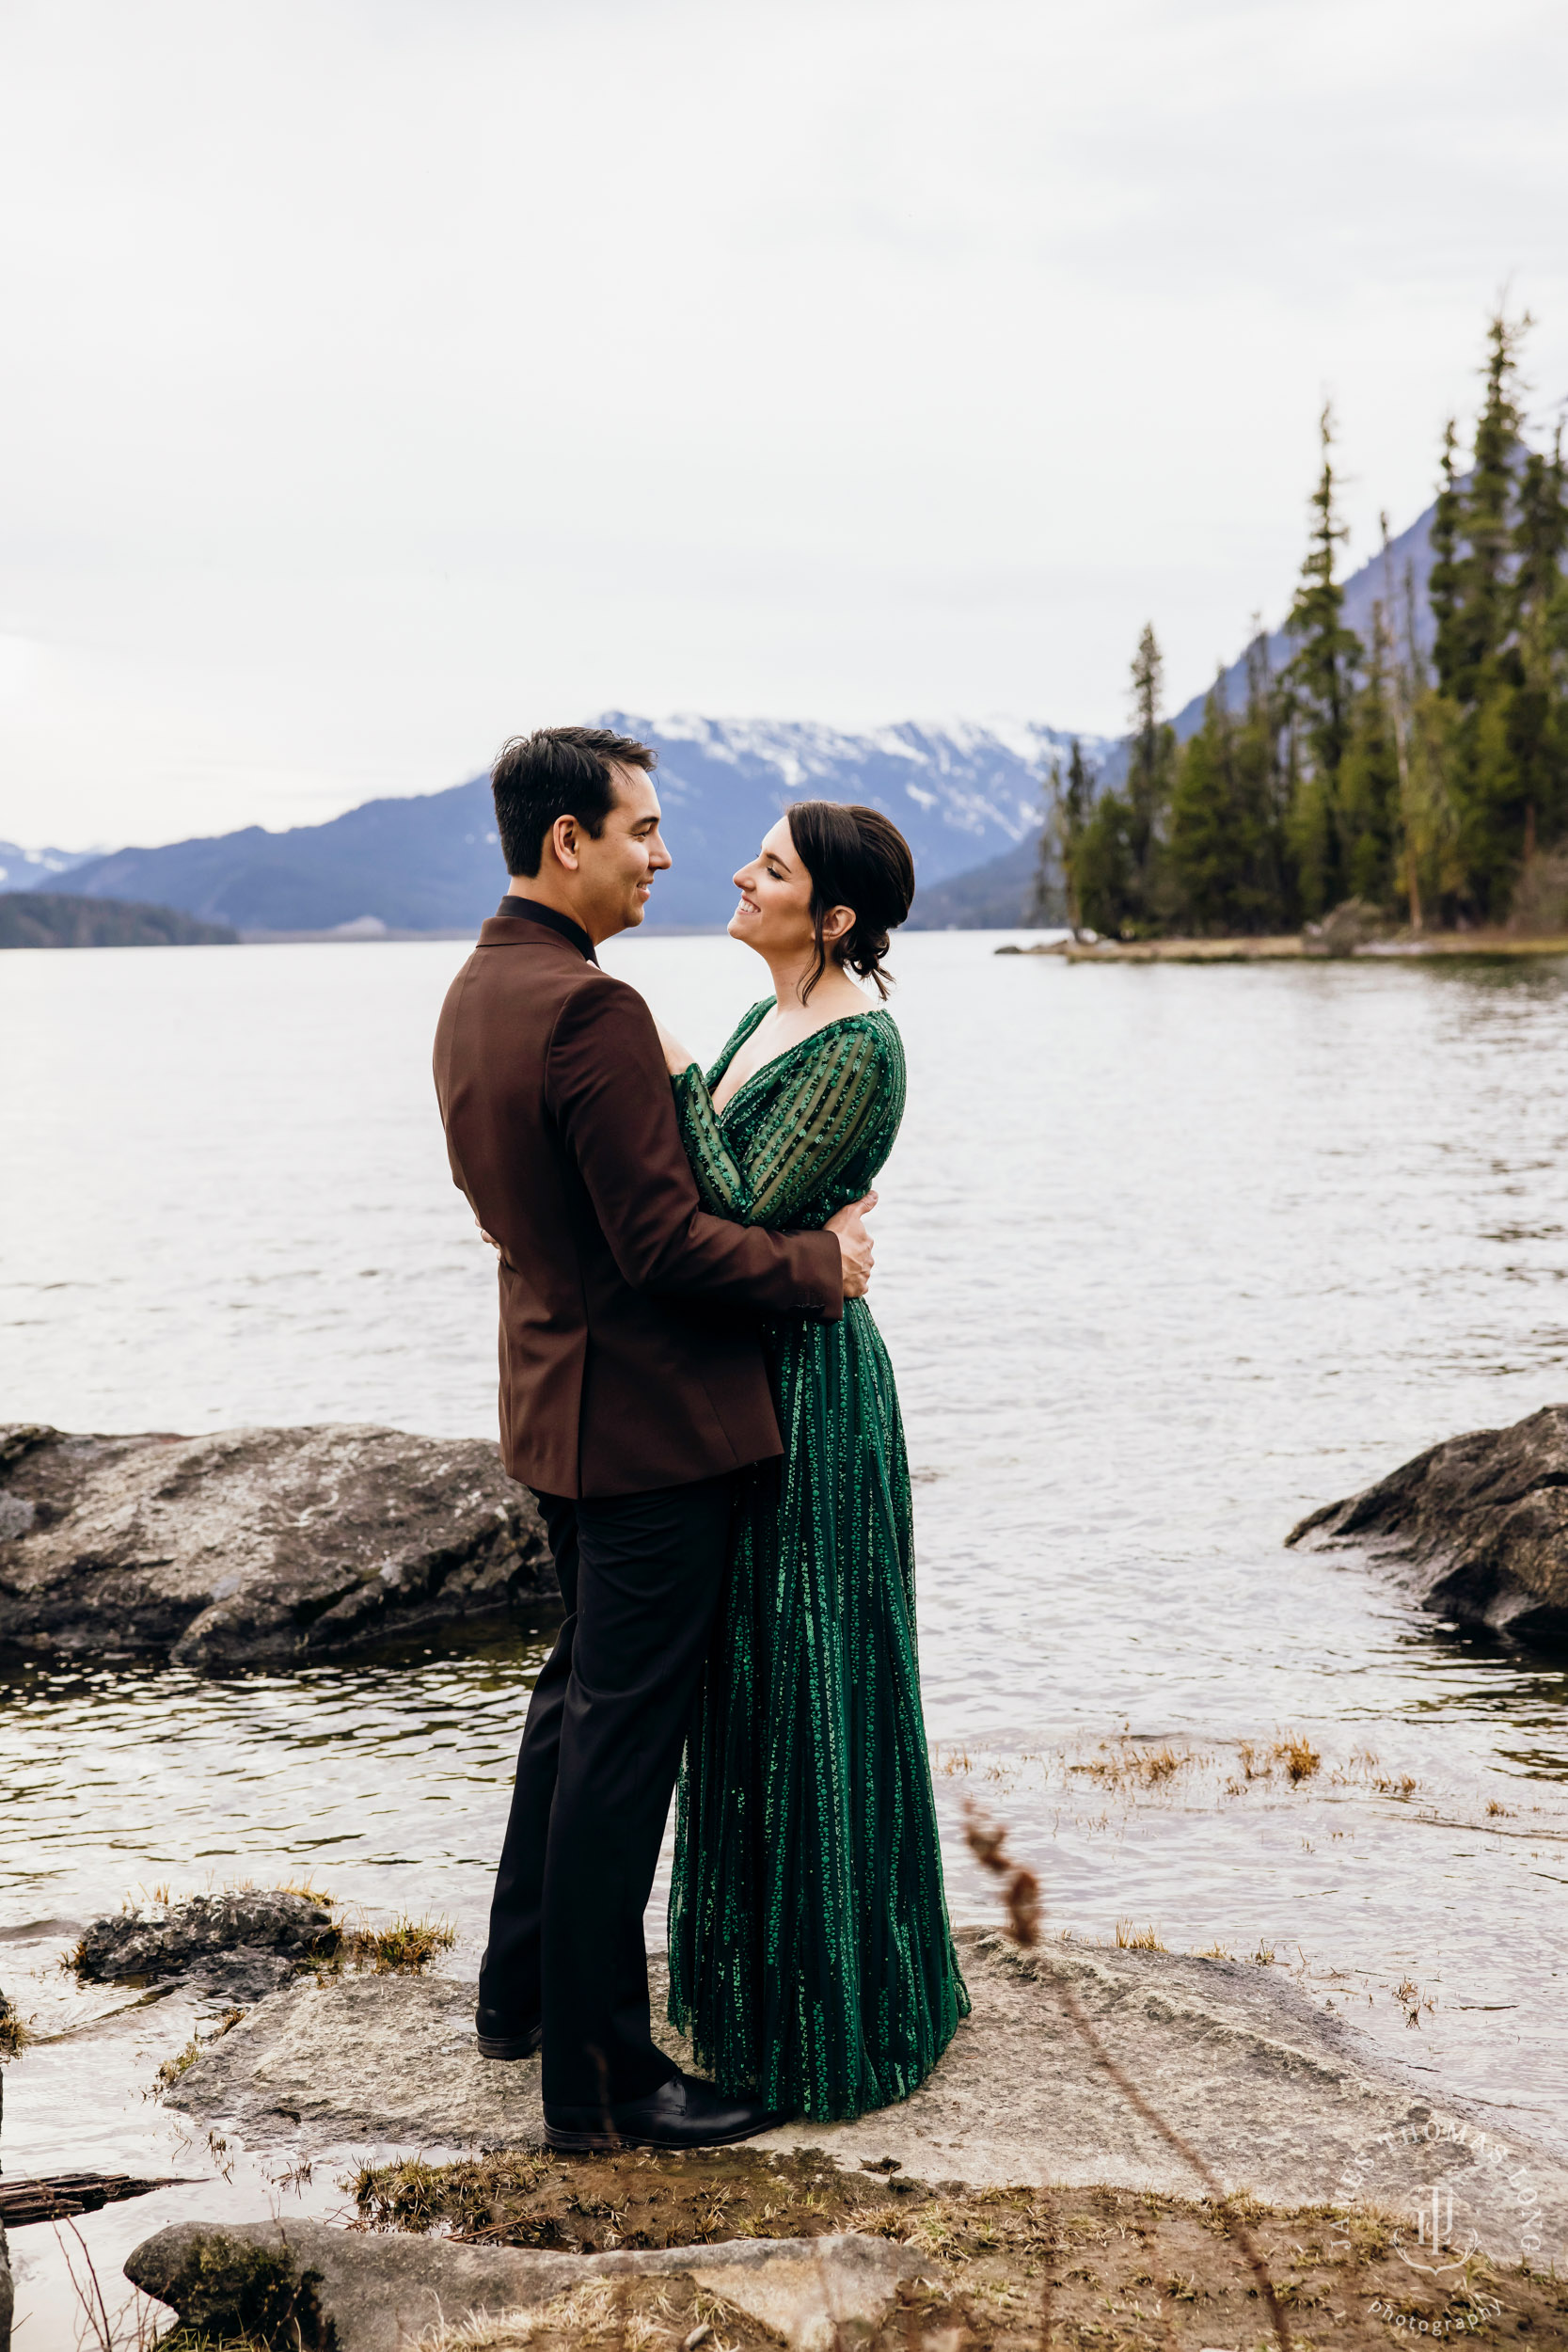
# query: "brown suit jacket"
x,y
629,1352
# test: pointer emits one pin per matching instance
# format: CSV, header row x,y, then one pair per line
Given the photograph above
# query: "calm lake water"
x,y
1164,1257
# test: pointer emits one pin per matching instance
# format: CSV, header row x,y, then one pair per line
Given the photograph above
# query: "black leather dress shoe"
x,y
681,2113
498,2039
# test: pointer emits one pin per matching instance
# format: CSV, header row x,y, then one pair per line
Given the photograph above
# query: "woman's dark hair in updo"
x,y
858,858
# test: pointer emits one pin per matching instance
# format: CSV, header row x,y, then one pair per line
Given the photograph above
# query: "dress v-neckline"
x,y
721,1110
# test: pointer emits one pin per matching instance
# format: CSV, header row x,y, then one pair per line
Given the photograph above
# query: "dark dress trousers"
x,y
632,1386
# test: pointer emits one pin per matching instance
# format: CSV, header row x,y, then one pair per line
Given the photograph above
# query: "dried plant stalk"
x,y
1020,1897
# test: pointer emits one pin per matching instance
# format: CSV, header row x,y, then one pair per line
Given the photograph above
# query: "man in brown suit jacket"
x,y
632,1388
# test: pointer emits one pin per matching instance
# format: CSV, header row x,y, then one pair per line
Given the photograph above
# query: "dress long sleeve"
x,y
847,1084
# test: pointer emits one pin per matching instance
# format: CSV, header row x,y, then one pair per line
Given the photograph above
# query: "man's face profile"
x,y
615,871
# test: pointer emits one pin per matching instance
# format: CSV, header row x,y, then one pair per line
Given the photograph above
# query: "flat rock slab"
x,y
365,2293
363,2058
1277,2097
255,1545
1480,1524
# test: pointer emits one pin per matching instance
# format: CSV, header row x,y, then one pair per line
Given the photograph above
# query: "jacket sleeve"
x,y
609,1092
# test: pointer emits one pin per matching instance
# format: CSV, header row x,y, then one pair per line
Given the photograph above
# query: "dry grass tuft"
x,y
404,1948
14,2036
594,2313
1300,1759
1413,2001
306,1888
171,2069
465,2197
1131,1939
1132,1766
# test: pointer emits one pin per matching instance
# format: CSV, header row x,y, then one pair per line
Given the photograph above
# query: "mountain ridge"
x,y
431,861
37,869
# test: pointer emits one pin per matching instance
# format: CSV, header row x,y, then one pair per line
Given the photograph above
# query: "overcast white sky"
x,y
386,376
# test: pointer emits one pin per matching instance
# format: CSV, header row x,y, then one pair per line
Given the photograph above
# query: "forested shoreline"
x,y
1422,770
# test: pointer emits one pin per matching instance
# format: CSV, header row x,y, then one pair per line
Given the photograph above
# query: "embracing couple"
x,y
694,1387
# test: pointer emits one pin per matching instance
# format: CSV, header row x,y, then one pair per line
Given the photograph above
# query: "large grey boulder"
x,y
1352,925
1480,1522
257,1544
302,2283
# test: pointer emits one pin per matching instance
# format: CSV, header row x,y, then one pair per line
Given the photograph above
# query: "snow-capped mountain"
x,y
961,793
37,869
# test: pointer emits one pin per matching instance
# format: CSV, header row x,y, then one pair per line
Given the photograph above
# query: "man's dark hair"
x,y
557,771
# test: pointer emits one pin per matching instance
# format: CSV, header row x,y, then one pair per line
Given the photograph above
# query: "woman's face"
x,y
774,913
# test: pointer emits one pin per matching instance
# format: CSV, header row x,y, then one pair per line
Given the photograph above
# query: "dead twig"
x,y
1020,1895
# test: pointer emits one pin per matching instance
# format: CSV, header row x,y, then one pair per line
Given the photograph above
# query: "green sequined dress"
x,y
811,1959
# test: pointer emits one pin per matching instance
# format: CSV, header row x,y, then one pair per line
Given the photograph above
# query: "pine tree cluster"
x,y
1429,788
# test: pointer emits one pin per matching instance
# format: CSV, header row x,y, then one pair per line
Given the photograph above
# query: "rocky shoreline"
x,y
1295,947
279,1544
1294,2112
256,1545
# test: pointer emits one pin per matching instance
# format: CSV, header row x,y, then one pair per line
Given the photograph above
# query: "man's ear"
x,y
563,841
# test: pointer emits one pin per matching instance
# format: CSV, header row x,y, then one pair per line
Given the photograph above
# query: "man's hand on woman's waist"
x,y
855,1245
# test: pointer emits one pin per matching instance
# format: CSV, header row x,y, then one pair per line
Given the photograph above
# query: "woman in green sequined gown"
x,y
811,1959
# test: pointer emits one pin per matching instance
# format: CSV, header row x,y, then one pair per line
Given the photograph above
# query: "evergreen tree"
x,y
1224,820
1265,734
1443,582
1104,869
1070,808
1080,784
1368,797
1399,678
1044,895
1483,606
1539,717
1429,819
1481,672
1150,773
1319,674
1120,870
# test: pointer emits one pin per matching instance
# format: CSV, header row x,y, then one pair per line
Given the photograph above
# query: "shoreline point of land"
x,y
1289,948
